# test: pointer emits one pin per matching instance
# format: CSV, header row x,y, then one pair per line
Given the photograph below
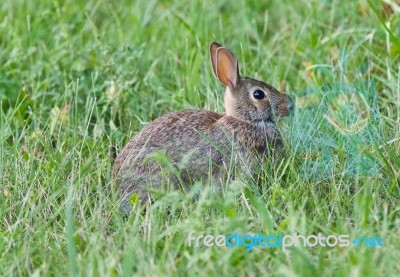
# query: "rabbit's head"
x,y
245,98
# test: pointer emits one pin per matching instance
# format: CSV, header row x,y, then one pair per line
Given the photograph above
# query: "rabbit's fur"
x,y
209,142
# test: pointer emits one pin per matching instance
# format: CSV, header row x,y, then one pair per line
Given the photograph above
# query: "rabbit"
x,y
208,141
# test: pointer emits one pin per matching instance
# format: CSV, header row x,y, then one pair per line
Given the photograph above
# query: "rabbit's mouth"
x,y
284,109
281,115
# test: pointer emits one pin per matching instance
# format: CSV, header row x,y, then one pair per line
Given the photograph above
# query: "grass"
x,y
79,76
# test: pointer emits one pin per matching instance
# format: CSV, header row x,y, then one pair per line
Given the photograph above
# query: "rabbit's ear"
x,y
227,70
213,56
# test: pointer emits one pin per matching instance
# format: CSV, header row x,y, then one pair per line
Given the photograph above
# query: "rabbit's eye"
x,y
258,94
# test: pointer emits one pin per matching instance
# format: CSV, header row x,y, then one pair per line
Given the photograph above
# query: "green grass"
x,y
79,76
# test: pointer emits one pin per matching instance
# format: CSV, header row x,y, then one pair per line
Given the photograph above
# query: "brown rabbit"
x,y
209,142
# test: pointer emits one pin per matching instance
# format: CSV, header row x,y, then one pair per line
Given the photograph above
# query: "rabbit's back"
x,y
184,137
175,133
